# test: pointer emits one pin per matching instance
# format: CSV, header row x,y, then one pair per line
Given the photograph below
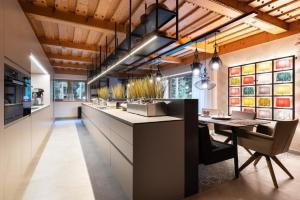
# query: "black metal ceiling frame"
x,y
114,56
201,38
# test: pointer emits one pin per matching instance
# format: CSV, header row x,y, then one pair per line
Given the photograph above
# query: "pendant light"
x,y
158,75
215,62
196,65
205,83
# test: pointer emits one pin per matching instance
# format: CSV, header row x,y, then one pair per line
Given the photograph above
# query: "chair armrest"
x,y
252,134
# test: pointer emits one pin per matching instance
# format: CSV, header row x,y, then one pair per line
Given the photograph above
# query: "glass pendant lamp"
x,y
196,65
158,75
205,83
215,62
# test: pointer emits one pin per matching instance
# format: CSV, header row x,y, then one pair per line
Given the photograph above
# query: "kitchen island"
x,y
146,154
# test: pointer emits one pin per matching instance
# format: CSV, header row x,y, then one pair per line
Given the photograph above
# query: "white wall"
x,y
66,109
70,77
42,81
17,41
275,49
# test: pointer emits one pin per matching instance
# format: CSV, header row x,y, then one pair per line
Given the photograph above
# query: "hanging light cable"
x,y
196,65
205,83
215,62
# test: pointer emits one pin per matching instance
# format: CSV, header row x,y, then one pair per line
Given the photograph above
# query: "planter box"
x,y
148,110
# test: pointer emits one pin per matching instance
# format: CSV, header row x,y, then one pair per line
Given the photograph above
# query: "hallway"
x,y
61,173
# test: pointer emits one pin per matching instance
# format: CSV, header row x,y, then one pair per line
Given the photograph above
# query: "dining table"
x,y
235,125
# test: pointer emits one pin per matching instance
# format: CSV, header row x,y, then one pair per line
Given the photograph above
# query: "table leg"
x,y
236,159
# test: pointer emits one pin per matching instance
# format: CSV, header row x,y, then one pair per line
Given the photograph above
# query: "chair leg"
x,y
248,151
249,161
271,171
282,166
257,160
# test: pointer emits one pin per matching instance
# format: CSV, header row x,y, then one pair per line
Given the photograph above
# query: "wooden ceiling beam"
x,y
265,4
245,8
69,57
257,39
288,12
282,6
71,19
70,45
70,65
77,68
69,71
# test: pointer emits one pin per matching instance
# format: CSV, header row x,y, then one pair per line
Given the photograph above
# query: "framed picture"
x,y
248,80
262,79
265,87
264,90
264,102
283,89
283,64
248,69
235,71
263,113
264,67
248,91
283,102
234,91
283,76
283,114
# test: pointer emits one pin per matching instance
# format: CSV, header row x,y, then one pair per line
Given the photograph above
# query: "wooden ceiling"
x,y
71,31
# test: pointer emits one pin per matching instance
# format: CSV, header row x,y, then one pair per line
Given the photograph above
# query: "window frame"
x,y
69,90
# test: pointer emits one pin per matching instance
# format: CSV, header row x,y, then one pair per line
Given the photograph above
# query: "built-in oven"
x,y
17,94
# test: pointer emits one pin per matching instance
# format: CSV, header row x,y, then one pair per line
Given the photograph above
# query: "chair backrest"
x,y
205,145
283,134
242,115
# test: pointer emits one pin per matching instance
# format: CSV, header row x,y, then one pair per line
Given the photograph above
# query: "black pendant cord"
x,y
129,34
100,60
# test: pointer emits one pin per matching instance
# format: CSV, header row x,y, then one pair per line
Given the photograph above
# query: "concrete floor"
x,y
69,169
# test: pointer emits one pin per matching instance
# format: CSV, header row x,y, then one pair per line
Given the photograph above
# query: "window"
x,y
69,90
181,87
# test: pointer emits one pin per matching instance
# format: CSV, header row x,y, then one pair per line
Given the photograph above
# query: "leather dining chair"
x,y
212,151
269,145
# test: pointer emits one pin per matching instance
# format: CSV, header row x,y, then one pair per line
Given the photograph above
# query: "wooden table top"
x,y
233,122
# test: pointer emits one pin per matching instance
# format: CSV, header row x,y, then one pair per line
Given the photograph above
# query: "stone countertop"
x,y
130,118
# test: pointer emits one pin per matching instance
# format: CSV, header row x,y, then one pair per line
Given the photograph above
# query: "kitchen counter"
x,y
130,118
38,108
140,151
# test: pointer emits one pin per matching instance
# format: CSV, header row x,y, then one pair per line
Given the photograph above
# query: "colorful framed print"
x,y
235,81
234,91
235,71
283,102
283,76
264,90
283,64
248,69
262,79
235,101
248,101
283,89
234,109
264,102
264,67
248,80
263,113
283,114
247,109
249,91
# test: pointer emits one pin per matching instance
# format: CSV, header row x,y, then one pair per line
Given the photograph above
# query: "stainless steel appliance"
x,y
17,94
37,97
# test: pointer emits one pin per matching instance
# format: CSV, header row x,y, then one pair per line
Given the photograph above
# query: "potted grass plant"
x,y
118,93
144,95
103,95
